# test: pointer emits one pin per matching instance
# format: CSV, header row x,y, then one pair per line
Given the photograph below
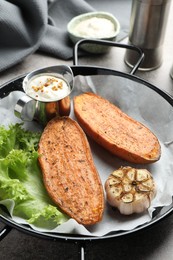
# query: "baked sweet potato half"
x,y
115,130
69,173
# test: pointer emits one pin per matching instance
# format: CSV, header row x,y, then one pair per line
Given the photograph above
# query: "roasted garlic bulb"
x,y
130,190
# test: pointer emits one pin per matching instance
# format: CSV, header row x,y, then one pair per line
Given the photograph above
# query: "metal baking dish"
x,y
85,71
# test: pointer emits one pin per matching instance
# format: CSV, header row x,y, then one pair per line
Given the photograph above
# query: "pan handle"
x,y
109,43
4,232
81,251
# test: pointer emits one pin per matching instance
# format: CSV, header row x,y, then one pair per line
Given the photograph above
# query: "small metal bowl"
x,y
93,48
29,108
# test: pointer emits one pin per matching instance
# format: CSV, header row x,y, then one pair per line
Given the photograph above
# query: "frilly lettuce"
x,y
21,178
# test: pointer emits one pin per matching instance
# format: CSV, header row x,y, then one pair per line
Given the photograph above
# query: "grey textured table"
x,y
153,243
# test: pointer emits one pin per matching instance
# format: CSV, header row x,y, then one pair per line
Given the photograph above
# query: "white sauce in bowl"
x,y
95,27
47,88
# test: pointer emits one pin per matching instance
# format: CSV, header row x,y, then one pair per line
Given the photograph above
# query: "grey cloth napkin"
x,y
22,27
56,40
27,26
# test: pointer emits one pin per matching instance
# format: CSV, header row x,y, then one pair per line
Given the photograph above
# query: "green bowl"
x,y
75,36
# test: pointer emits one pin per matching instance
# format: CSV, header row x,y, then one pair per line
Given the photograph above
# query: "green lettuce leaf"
x,y
21,178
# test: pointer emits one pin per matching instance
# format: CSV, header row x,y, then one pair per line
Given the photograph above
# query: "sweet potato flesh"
x,y
69,174
115,130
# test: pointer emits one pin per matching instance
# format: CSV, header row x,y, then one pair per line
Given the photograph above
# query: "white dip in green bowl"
x,y
94,25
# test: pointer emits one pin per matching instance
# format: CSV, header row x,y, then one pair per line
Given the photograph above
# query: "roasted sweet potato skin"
x,y
69,173
116,131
